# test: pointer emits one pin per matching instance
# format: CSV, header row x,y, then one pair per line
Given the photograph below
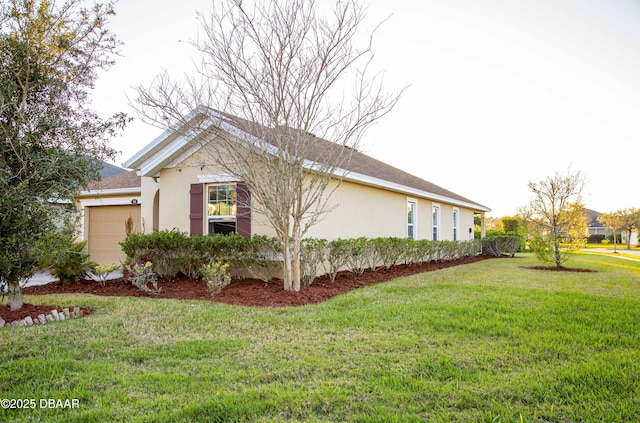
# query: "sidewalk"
x,y
43,278
609,252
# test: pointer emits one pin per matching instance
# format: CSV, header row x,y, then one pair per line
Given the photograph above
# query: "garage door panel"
x,y
107,230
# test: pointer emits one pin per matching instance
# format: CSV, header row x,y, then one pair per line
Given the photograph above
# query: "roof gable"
x,y
360,168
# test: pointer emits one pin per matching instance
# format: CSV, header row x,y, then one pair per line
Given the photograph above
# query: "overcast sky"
x,y
502,92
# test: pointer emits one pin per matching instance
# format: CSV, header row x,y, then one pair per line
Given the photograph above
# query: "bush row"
x,y
173,252
501,245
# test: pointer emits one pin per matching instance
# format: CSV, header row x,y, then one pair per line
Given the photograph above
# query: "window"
x,y
221,209
436,222
456,225
412,227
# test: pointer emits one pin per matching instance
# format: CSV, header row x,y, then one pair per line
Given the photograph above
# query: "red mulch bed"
x,y
33,311
245,292
558,269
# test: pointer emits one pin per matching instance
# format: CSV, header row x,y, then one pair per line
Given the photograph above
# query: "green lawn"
x,y
488,342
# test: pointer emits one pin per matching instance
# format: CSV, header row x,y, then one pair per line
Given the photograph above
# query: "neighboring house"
x,y
374,199
108,170
595,227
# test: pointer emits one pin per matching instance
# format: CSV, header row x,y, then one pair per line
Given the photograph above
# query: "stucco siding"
x,y
149,189
360,210
355,210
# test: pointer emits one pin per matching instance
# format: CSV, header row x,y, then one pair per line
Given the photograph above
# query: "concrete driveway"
x,y
43,278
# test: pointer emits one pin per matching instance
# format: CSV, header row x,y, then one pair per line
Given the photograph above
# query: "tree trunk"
x,y
16,301
286,264
556,251
295,265
629,232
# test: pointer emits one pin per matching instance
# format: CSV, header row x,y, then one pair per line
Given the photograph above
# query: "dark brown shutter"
x,y
197,209
243,211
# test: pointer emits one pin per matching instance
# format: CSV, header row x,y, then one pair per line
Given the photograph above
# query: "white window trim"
x,y
218,179
438,221
415,217
456,224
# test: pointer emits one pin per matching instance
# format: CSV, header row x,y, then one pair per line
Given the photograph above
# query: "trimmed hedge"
x,y
501,245
173,252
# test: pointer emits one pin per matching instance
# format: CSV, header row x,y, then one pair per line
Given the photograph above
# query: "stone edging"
x,y
43,319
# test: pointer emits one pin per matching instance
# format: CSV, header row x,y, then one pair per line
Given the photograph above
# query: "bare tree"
x,y
555,202
279,71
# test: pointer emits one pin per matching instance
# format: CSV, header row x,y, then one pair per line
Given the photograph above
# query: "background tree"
x,y
614,221
631,218
51,143
577,225
284,68
553,208
627,221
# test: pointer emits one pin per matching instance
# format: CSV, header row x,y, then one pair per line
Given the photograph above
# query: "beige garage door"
x,y
107,229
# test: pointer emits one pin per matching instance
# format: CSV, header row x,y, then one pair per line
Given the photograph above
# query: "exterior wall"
x,y
174,204
149,190
362,211
372,212
355,210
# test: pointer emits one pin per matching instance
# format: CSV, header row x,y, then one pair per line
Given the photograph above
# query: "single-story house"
x,y
169,188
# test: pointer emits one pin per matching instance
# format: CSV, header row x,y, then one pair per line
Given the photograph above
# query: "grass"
x,y
486,342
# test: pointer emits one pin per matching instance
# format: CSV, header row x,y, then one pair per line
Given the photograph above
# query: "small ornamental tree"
x,y
51,143
555,202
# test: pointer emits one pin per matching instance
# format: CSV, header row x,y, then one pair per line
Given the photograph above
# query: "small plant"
x,y
66,259
217,276
102,271
605,242
142,275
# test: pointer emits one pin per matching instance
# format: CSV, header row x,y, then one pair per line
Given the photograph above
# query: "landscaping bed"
x,y
246,292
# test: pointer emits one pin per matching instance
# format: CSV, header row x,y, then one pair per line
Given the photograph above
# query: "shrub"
x,y
337,256
260,256
217,276
173,252
358,255
102,271
313,254
141,275
499,245
596,239
66,259
389,250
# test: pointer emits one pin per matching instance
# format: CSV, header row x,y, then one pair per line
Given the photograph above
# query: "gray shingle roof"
x,y
318,149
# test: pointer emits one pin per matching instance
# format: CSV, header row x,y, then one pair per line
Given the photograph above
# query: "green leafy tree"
x,y
552,210
631,218
615,222
626,220
51,143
